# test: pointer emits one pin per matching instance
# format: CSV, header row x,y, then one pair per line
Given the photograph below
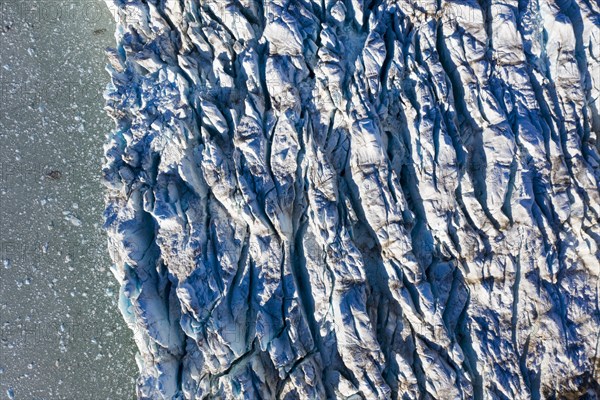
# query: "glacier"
x,y
357,199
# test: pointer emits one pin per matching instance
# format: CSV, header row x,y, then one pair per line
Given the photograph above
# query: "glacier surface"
x,y
357,199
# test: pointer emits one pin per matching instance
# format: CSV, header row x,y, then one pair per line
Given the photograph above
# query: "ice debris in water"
x,y
357,200
72,219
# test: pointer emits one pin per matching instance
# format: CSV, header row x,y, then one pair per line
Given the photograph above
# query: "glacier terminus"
x,y
357,199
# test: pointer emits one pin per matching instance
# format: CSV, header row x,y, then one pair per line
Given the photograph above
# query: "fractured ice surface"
x,y
348,199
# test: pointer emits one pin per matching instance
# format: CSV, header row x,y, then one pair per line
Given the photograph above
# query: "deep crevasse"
x,y
357,200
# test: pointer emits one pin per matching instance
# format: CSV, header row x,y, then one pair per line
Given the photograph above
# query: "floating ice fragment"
x,y
73,220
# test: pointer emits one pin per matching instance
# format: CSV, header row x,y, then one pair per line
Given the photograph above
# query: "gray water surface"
x,y
61,335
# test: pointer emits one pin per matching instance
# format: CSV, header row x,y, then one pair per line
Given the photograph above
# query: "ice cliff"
x,y
357,199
